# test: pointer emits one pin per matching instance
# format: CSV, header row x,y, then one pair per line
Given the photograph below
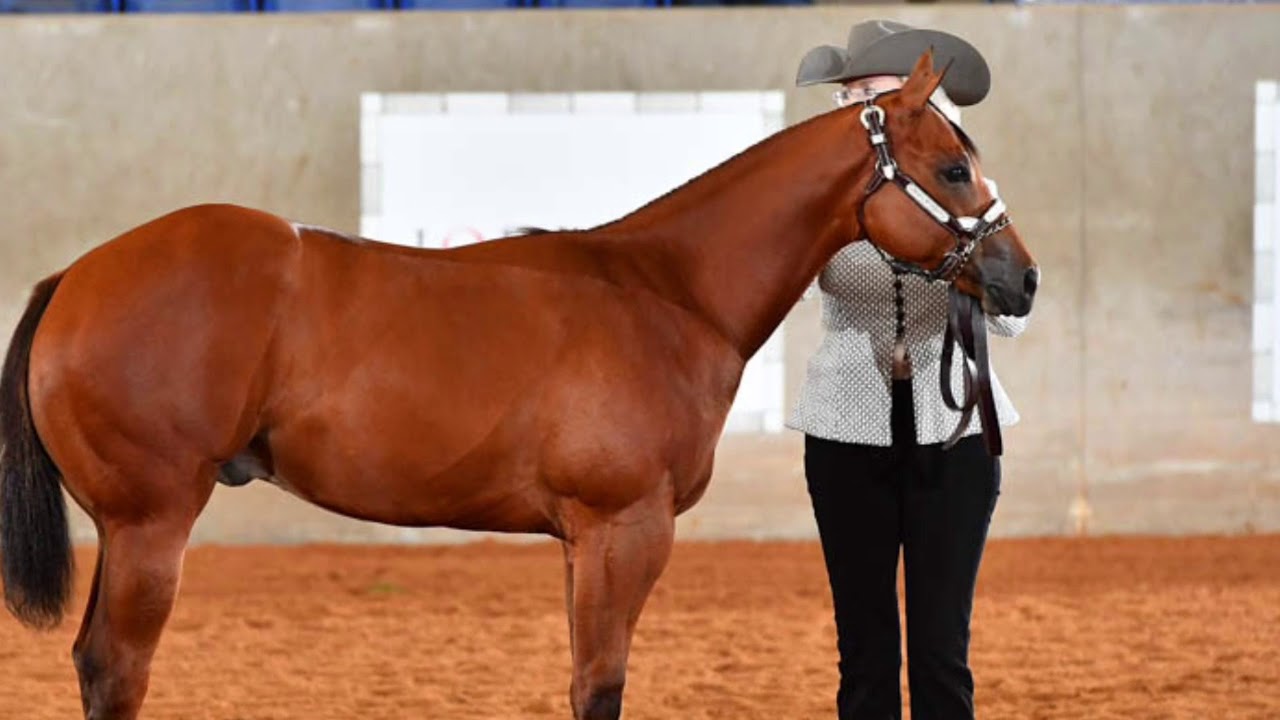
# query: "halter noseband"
x,y
967,231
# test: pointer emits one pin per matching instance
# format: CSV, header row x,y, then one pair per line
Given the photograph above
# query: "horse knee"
x,y
604,704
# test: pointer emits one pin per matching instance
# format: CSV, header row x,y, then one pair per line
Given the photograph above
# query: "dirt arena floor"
x,y
1097,629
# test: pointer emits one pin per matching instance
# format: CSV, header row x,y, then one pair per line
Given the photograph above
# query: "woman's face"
x,y
864,88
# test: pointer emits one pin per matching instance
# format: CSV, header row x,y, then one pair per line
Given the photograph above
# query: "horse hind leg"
x,y
78,648
135,584
612,565
136,588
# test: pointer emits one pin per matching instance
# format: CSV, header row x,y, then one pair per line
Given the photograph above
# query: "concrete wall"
x,y
1122,139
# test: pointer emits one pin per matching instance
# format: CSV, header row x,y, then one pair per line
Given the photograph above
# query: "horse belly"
x,y
484,488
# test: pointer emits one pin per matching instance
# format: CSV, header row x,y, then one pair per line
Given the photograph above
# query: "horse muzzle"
x,y
1010,293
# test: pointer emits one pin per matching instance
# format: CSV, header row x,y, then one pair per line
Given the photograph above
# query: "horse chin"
x,y
996,301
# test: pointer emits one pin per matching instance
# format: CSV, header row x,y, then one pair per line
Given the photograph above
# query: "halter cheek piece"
x,y
965,322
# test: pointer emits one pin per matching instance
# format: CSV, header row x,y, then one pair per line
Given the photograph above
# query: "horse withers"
x,y
567,383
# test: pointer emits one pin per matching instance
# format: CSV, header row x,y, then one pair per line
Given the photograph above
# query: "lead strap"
x,y
966,325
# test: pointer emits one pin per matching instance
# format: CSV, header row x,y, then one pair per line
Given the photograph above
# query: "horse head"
x,y
943,221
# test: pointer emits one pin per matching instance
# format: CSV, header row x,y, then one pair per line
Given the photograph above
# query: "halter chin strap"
x,y
968,232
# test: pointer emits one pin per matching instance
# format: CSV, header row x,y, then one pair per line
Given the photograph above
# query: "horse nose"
x,y
1031,281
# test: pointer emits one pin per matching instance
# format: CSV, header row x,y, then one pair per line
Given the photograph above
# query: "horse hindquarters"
x,y
138,561
149,368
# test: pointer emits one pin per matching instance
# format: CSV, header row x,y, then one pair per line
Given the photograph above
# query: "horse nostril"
x,y
1031,281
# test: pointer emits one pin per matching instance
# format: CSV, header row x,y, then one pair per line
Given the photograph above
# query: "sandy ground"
x,y
1097,629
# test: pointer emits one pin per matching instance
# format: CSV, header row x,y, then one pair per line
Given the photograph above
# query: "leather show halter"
x,y
965,320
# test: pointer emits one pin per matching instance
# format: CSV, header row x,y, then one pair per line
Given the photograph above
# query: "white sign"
x,y
1266,254
442,170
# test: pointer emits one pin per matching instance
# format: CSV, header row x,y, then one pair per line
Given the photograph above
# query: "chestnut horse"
x,y
567,383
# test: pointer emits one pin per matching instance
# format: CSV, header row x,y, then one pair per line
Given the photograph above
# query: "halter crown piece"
x,y
965,322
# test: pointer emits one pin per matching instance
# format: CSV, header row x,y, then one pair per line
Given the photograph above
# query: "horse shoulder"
x,y
636,404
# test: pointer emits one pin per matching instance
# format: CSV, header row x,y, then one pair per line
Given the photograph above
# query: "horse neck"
x,y
739,245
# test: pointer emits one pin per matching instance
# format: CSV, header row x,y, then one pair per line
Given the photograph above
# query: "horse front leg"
x,y
612,562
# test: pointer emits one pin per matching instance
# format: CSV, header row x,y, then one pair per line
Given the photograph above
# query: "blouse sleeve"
x,y
1006,325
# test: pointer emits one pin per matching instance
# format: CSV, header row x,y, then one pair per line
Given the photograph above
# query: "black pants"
x,y
934,504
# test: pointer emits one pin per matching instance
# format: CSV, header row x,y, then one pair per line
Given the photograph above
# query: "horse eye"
x,y
956,174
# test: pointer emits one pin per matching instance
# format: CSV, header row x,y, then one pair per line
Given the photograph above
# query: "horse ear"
x,y
923,81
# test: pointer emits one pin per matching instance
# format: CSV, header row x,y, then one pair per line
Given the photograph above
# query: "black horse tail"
x,y
34,539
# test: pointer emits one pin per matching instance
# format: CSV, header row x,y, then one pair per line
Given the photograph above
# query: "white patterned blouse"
x,y
846,395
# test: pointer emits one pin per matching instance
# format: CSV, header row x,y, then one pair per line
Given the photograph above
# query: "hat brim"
x,y
821,64
966,82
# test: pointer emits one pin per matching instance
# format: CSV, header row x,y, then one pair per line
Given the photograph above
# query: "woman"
x,y
877,474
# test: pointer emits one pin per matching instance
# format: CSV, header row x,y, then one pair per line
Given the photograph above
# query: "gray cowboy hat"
x,y
884,47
